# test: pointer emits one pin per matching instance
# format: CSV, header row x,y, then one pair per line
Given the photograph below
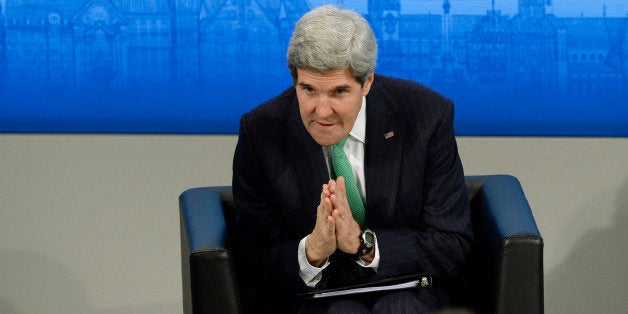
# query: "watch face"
x,y
369,237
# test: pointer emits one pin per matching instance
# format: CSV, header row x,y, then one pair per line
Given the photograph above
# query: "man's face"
x,y
329,103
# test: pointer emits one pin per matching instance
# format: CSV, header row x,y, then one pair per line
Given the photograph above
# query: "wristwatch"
x,y
367,243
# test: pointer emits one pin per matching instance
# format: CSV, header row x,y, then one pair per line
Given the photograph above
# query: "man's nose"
x,y
324,108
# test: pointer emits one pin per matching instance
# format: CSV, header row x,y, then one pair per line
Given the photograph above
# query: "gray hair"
x,y
330,38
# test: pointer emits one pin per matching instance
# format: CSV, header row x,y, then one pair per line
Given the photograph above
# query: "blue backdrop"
x,y
513,67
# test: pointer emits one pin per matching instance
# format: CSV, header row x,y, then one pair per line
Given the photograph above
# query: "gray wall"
x,y
89,223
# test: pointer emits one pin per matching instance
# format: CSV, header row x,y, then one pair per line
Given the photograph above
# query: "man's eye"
x,y
340,91
308,89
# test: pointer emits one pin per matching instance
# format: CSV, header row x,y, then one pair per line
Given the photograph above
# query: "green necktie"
x,y
342,167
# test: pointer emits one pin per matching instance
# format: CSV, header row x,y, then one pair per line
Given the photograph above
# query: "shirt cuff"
x,y
373,264
309,274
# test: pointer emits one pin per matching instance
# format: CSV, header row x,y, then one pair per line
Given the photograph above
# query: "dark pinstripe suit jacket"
x,y
416,200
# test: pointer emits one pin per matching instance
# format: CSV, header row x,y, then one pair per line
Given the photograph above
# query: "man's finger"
x,y
332,186
340,186
340,203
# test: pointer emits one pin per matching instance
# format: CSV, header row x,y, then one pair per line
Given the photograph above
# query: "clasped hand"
x,y
335,227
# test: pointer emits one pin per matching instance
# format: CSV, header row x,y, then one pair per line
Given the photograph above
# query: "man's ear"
x,y
367,84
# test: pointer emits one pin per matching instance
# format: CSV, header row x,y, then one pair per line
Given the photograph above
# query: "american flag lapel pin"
x,y
389,134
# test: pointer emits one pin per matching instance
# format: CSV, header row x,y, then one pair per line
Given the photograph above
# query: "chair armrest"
x,y
509,257
208,272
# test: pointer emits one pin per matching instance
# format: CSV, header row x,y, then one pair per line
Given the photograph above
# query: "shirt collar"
x,y
359,127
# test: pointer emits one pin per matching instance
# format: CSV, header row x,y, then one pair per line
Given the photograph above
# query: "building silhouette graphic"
x,y
71,50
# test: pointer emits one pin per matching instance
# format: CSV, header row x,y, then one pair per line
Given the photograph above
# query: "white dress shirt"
x,y
354,149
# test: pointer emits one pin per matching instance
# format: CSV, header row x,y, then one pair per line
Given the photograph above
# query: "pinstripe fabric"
x,y
346,306
402,302
416,198
396,302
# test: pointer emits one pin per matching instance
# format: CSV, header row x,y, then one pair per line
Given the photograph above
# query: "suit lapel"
x,y
383,153
309,165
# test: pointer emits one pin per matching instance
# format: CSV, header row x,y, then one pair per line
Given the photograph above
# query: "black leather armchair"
x,y
505,271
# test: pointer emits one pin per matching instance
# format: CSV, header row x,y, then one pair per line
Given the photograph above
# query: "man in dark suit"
x,y
402,209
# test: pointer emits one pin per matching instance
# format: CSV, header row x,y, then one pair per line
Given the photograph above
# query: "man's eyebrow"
x,y
344,86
